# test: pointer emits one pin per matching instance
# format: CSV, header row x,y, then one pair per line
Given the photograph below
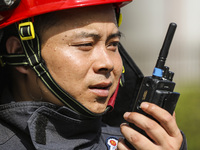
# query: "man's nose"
x,y
103,61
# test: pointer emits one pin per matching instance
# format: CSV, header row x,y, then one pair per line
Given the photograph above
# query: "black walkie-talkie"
x,y
158,88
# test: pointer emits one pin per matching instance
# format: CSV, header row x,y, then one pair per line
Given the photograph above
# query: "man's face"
x,y
82,56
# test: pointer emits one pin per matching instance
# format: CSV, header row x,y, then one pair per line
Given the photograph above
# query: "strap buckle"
x,y
26,31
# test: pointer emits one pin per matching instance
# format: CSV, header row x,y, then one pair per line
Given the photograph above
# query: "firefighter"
x,y
60,72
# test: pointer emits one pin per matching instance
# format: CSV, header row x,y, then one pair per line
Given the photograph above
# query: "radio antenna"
x,y
158,70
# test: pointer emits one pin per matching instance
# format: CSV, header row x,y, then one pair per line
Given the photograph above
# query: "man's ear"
x,y
13,46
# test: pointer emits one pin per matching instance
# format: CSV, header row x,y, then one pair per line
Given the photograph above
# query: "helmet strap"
x,y
118,16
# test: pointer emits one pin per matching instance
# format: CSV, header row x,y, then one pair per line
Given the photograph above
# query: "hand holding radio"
x,y
157,89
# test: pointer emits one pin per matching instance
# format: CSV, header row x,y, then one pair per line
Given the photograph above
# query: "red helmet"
x,y
30,8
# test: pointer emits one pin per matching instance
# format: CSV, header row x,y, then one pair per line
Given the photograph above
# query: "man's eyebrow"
x,y
98,36
117,34
86,35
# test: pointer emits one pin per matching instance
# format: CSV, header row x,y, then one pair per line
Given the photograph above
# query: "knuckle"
x,y
151,125
134,139
167,119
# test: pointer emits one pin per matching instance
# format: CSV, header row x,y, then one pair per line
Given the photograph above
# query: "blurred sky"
x,y
145,23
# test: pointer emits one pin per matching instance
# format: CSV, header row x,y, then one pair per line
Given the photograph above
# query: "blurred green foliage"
x,y
188,114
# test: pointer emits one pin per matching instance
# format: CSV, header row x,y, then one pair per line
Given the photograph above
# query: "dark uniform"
x,y
45,126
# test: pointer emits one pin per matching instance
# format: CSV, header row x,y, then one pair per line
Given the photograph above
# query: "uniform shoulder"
x,y
10,138
5,132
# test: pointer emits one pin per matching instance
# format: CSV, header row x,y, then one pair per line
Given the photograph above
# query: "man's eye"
x,y
84,46
113,45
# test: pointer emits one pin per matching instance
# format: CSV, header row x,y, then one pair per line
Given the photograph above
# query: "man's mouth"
x,y
101,89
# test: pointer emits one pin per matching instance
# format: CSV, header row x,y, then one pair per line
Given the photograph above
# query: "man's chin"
x,y
98,108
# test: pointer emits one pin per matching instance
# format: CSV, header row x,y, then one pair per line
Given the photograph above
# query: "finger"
x,y
166,120
136,139
121,145
151,127
174,115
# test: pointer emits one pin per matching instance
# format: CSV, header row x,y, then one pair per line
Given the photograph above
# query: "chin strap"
x,y
111,101
32,57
